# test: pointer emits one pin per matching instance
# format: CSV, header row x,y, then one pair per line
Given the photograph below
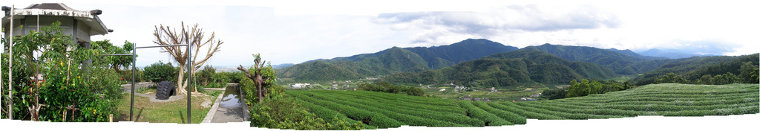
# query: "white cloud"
x,y
287,31
437,26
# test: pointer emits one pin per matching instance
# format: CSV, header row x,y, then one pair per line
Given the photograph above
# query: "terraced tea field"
x,y
385,110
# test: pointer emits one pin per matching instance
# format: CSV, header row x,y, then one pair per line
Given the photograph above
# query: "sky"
x,y
289,31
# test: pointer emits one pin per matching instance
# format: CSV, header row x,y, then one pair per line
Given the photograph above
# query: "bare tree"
x,y
193,36
256,75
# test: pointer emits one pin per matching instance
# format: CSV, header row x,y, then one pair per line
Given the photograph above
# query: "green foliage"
x,y
231,77
622,62
386,110
392,60
488,118
209,78
204,75
507,69
117,62
277,110
585,88
727,78
285,113
749,73
671,78
554,94
75,79
160,71
391,88
721,79
693,69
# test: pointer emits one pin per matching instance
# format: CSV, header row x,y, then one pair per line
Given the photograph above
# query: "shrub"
x,y
284,113
87,92
553,94
160,71
391,88
204,76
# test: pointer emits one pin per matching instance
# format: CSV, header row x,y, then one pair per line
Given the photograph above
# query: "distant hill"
x,y
672,54
393,60
507,69
280,66
693,68
623,62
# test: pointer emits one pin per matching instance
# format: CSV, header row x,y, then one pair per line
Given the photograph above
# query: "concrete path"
x,y
227,108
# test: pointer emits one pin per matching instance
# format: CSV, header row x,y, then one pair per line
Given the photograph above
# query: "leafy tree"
x,y
414,91
205,75
554,94
671,78
160,71
578,89
258,76
391,88
727,78
594,87
749,73
53,84
706,79
692,69
117,62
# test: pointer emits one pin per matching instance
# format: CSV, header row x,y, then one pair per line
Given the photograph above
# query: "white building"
x,y
80,24
300,85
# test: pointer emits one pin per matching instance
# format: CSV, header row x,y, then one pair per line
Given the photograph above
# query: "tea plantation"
x,y
386,110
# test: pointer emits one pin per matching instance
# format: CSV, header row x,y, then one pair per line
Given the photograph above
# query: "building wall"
x,y
67,23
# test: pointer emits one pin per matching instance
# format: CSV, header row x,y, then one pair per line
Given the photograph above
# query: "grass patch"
x,y
163,112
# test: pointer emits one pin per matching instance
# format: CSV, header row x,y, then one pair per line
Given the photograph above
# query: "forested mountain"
x,y
393,60
506,69
694,68
624,62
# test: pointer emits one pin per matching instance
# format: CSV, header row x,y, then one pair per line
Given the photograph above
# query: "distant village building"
x,y
536,95
493,89
460,87
300,85
528,99
80,24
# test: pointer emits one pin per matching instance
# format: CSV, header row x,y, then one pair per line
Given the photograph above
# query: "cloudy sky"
x,y
287,31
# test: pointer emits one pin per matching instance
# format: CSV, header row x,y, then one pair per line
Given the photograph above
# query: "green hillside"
x,y
387,110
507,69
392,60
624,62
694,68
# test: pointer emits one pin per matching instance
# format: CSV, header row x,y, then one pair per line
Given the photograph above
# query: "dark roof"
x,y
52,6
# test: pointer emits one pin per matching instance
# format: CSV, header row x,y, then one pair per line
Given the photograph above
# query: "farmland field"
x,y
385,110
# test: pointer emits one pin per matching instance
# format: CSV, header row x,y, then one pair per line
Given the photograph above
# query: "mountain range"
x,y
523,66
393,60
484,63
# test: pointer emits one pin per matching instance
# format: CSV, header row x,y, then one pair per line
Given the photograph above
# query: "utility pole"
x,y
10,70
189,76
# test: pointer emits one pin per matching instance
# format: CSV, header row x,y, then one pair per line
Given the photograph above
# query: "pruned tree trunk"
x,y
193,36
256,76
